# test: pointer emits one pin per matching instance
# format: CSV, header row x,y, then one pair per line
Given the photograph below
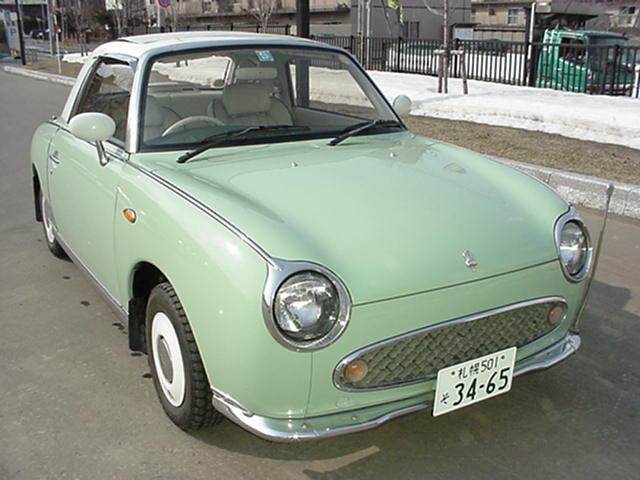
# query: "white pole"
x,y
57,34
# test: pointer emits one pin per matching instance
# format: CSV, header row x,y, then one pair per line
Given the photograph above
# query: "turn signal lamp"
x,y
356,371
556,314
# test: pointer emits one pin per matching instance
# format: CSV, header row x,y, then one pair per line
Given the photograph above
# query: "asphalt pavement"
x,y
76,404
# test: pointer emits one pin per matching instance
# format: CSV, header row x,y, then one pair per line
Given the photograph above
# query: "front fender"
x,y
219,280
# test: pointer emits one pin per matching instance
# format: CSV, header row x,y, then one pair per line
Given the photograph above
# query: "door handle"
x,y
54,158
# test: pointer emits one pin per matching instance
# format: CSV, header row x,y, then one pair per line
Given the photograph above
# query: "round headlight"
x,y
573,245
306,306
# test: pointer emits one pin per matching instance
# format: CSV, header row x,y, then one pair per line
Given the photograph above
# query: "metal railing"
x,y
595,69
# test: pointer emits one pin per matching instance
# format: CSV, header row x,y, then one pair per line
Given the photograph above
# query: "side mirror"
x,y
402,105
93,127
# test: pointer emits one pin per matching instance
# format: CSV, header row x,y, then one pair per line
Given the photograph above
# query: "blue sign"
x,y
164,3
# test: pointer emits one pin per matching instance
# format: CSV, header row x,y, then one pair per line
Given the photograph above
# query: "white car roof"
x,y
159,43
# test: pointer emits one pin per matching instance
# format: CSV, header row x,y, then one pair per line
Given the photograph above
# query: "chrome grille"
x,y
418,355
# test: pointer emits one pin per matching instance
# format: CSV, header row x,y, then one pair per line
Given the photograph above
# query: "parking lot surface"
x,y
75,403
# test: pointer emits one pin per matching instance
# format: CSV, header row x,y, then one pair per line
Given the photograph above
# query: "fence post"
x,y
614,74
231,27
398,54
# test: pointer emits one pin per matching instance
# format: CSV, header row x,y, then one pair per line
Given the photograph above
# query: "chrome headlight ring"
x,y
281,271
568,221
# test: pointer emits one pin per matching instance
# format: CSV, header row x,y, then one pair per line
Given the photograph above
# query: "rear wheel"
x,y
178,373
49,229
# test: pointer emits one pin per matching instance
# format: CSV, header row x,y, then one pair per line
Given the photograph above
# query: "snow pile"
x,y
598,118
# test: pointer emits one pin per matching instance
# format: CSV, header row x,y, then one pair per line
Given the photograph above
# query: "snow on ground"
x,y
598,118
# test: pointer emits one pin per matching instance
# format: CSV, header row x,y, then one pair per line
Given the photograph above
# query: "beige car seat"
x,y
157,118
250,102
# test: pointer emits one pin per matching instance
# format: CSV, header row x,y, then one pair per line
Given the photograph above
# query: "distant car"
x,y
286,251
588,61
39,34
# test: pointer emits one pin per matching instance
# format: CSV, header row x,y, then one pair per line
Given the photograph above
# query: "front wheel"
x,y
178,373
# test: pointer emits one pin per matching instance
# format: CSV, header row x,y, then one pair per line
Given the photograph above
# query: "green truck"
x,y
586,61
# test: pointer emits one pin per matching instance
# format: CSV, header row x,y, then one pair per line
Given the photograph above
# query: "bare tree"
x,y
126,13
262,10
443,70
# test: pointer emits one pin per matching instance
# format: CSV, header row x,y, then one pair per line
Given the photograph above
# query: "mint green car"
x,y
288,254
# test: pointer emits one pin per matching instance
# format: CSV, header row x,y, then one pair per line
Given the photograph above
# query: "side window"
x,y
108,91
572,50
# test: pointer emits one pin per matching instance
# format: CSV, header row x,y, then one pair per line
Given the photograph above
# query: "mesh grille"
x,y
420,356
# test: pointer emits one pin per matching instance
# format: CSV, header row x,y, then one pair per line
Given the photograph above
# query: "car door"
x,y
82,191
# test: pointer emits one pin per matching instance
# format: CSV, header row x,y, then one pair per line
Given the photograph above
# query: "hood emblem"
x,y
469,259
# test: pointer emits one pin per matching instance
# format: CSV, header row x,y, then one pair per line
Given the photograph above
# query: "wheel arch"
x,y
144,276
35,180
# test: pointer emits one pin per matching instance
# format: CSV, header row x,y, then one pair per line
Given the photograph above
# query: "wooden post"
x,y
463,73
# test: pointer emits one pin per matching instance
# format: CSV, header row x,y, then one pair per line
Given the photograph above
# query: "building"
x,y
509,19
413,20
326,16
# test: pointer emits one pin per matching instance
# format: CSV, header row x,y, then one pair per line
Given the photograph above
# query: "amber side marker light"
x,y
356,371
129,214
556,314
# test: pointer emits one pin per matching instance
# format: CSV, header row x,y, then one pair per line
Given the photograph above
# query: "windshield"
x,y
193,97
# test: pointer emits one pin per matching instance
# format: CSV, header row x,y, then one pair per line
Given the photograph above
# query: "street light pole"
x,y
20,36
302,18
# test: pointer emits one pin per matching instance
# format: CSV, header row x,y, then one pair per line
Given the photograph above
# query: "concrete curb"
x,y
575,188
47,77
585,190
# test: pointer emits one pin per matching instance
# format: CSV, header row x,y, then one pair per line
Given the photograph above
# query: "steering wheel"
x,y
188,121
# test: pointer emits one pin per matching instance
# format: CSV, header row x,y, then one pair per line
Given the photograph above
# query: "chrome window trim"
x,y
279,271
338,371
572,216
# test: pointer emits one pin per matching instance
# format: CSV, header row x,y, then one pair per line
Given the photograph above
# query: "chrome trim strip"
x,y
291,430
209,211
573,216
118,309
337,373
278,272
576,323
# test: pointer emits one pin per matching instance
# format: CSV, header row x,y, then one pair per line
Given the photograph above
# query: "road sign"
x,y
164,3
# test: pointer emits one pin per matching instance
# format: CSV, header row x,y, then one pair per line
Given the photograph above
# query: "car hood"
x,y
390,214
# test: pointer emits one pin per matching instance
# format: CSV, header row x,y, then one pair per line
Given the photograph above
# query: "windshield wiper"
x,y
359,127
214,140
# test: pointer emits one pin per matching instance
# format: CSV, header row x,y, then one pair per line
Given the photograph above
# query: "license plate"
x,y
473,381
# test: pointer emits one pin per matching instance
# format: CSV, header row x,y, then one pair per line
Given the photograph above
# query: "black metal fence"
x,y
611,70
599,69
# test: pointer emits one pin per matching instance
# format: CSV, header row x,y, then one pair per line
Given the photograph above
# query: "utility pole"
x,y
302,18
52,42
20,37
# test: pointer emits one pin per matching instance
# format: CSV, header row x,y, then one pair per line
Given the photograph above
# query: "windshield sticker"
x,y
264,55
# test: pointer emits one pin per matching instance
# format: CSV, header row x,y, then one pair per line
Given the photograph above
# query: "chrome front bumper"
x,y
290,430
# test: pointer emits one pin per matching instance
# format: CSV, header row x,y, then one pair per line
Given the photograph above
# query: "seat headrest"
x,y
153,115
243,99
